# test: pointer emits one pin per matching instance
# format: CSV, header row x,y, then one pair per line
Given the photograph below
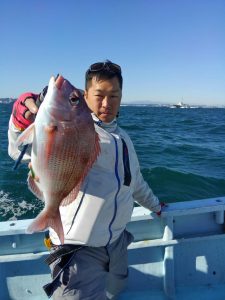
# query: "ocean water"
x,y
181,154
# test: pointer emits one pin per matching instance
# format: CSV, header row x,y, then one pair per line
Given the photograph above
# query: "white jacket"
x,y
105,202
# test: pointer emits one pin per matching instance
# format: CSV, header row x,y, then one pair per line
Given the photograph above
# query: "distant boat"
x,y
180,105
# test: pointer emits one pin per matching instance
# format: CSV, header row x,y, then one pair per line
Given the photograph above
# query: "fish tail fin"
x,y
45,220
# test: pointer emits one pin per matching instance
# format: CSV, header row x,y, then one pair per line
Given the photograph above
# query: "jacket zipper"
x,y
117,192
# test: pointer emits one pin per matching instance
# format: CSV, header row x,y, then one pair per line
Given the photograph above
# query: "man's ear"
x,y
86,99
85,95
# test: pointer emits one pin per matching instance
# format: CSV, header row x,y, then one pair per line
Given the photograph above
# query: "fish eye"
x,y
74,100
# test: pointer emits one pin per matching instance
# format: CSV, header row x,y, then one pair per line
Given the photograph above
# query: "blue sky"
x,y
168,49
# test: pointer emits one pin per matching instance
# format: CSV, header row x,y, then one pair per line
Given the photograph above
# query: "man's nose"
x,y
106,102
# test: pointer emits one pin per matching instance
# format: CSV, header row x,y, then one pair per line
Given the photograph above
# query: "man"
x,y
93,262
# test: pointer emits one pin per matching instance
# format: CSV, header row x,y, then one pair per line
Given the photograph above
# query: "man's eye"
x,y
98,97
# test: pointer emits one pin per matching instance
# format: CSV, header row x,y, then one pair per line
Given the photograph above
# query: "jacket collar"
x,y
109,127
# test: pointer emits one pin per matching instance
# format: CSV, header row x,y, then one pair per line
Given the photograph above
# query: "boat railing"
x,y
184,247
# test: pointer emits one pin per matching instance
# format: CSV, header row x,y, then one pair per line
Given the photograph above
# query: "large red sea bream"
x,y
64,147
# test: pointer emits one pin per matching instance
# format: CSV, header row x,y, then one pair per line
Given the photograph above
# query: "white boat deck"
x,y
179,255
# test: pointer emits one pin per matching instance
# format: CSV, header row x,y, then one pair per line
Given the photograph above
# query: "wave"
x,y
10,209
9,206
171,185
217,129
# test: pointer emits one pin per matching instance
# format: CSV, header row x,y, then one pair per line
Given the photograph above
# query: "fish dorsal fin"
x,y
97,146
93,156
71,196
26,137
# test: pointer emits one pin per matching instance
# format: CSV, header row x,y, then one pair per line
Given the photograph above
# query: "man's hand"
x,y
30,103
24,110
162,204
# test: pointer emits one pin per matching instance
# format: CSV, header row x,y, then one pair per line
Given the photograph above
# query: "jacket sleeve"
x,y
13,150
143,194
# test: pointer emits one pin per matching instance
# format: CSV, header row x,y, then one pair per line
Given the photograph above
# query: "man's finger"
x,y
29,116
31,105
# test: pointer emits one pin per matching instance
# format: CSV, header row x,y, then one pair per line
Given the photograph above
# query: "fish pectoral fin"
x,y
50,128
26,137
45,220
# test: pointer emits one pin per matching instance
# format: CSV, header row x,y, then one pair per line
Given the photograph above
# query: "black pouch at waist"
x,y
61,251
61,257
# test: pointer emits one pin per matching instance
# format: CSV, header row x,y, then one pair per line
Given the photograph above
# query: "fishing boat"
x,y
179,255
180,105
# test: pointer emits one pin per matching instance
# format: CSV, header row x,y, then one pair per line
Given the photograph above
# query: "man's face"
x,y
103,97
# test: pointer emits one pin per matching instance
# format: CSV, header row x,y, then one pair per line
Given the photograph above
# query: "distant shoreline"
x,y
170,105
9,100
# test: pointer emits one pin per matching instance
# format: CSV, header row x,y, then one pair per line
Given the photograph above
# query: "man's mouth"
x,y
106,113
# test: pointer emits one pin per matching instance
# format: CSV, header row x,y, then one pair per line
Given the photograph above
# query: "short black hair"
x,y
106,72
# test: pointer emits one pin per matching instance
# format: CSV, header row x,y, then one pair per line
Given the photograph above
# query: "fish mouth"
x,y
59,81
